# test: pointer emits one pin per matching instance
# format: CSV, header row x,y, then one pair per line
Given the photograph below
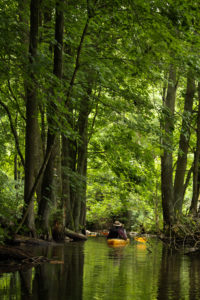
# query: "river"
x,y
92,270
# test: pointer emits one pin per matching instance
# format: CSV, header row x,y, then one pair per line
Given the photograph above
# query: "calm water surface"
x,y
92,270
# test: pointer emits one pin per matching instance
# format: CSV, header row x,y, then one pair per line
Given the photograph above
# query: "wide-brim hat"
x,y
117,223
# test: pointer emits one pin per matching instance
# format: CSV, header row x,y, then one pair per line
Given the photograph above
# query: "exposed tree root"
x,y
183,237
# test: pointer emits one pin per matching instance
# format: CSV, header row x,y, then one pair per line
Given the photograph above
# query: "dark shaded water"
x,y
93,271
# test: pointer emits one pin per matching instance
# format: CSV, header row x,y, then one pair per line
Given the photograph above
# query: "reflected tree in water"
x,y
169,278
194,275
26,284
61,281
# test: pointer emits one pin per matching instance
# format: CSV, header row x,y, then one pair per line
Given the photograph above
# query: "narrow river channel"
x,y
94,271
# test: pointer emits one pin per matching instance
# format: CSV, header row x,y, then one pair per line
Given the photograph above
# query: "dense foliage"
x,y
99,106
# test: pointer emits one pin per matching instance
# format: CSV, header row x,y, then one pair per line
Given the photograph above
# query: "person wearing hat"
x,y
117,231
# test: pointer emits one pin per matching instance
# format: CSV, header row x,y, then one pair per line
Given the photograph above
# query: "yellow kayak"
x,y
118,242
140,239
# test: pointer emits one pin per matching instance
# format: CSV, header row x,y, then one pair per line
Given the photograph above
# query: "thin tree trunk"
x,y
14,132
80,205
166,158
68,167
68,175
31,116
156,207
196,169
38,162
48,184
187,179
82,220
183,146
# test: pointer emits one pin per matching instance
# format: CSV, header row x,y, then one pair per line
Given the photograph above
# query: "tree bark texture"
x,y
183,146
166,158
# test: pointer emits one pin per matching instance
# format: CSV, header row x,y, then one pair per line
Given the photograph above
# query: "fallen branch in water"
x,y
14,259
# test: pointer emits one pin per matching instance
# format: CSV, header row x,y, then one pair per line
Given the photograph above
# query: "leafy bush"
x,y
11,203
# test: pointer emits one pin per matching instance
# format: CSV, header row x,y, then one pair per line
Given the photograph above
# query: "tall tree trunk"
x,y
38,162
166,158
183,146
23,16
48,184
79,207
68,178
82,220
31,116
16,157
196,169
69,149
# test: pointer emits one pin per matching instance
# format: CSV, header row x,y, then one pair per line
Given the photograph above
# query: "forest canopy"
x,y
100,114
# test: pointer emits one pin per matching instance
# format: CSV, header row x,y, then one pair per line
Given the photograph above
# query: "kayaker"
x,y
117,231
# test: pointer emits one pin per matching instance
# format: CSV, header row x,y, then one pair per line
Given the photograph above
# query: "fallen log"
x,y
75,235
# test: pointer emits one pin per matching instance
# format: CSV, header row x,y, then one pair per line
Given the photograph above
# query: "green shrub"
x,y
11,203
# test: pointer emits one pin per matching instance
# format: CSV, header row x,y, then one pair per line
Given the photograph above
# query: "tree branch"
x,y
187,180
14,97
14,132
77,63
94,118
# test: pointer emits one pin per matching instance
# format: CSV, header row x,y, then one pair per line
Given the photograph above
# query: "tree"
x,y
31,115
94,104
179,181
195,194
48,184
74,158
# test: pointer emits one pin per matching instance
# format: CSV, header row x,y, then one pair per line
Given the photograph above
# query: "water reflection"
x,y
170,277
125,273
61,281
49,281
194,275
92,270
26,284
